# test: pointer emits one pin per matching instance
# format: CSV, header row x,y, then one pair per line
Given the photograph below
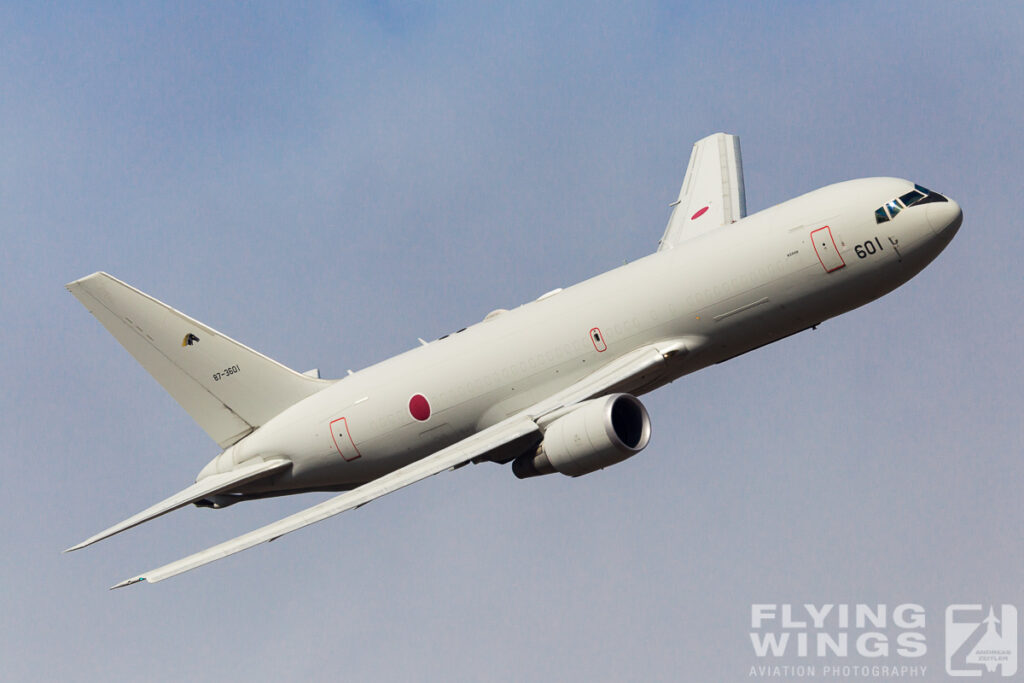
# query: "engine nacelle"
x,y
598,433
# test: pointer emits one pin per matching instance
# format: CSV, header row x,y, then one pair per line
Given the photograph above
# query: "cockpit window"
x,y
932,197
929,196
913,197
919,195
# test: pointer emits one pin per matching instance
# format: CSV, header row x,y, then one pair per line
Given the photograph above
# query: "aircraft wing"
x,y
208,486
712,194
634,368
463,451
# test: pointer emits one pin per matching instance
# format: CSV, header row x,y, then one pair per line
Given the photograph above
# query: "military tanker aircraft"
x,y
548,387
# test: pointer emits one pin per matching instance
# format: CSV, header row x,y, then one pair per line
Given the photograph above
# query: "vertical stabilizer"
x,y
226,387
712,194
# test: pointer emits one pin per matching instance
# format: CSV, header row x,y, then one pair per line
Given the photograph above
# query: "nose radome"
x,y
943,216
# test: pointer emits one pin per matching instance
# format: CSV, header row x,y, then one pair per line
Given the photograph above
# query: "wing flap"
x,y
712,194
217,483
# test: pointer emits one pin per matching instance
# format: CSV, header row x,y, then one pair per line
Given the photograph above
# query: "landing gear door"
x,y
825,247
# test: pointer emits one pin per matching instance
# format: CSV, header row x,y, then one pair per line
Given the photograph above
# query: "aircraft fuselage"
x,y
721,294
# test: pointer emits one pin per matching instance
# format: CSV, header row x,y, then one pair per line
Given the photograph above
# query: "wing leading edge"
x,y
638,367
712,194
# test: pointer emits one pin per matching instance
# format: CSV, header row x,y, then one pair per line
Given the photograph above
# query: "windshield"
x,y
919,195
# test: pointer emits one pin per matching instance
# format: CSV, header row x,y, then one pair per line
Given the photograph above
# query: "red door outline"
x,y
598,339
341,431
833,257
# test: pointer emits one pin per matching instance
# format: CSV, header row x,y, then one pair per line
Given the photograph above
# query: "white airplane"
x,y
549,386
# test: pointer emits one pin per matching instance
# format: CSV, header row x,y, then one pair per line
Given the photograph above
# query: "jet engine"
x,y
598,433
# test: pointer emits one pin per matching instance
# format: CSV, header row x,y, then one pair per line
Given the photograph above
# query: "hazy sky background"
x,y
327,183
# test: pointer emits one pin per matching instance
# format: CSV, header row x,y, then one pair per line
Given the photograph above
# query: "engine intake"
x,y
598,433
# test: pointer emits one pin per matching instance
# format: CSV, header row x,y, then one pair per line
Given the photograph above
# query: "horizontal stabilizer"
x,y
226,387
217,483
712,194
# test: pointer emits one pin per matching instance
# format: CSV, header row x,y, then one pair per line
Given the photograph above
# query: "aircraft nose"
x,y
945,217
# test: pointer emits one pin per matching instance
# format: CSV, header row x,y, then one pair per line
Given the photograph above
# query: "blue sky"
x,y
328,183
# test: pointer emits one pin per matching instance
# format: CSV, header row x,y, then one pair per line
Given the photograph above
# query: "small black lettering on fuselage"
x,y
869,248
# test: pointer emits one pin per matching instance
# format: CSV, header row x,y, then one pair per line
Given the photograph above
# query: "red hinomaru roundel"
x,y
419,408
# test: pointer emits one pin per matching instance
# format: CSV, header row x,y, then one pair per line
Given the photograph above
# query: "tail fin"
x,y
712,194
226,387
